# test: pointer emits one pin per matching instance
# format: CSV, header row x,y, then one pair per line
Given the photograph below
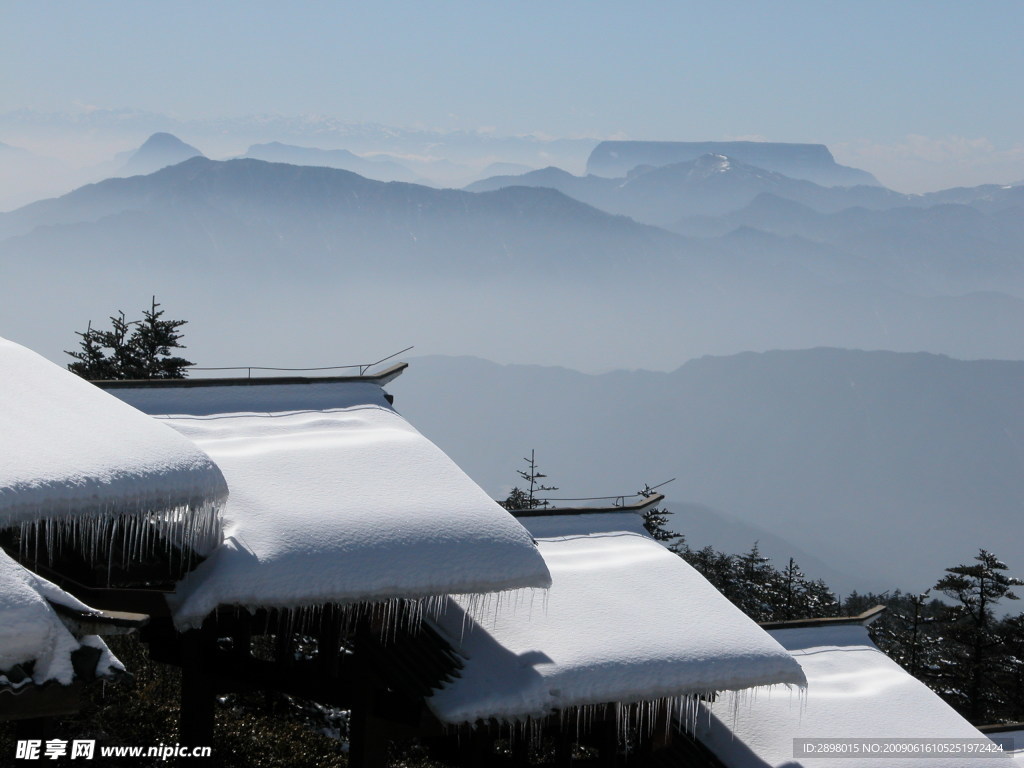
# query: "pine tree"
x,y
757,585
717,567
131,349
152,342
527,499
969,677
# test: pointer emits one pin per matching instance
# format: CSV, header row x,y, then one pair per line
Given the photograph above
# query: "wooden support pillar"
x,y
367,745
608,743
329,642
242,636
476,747
563,747
520,744
197,688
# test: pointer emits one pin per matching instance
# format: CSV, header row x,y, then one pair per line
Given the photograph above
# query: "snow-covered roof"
x,y
1016,738
335,498
854,691
625,620
72,453
32,636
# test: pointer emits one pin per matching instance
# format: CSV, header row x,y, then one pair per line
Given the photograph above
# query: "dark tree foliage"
x,y
976,650
656,523
961,650
759,589
1010,674
131,349
905,631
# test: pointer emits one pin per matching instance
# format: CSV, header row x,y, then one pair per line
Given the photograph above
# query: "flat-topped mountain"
x,y
801,161
707,185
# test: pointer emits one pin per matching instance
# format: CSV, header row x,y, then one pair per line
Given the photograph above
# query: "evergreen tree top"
x,y
131,349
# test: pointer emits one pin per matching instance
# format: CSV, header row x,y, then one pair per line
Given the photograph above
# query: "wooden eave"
x,y
636,506
1000,728
33,701
382,378
99,622
864,619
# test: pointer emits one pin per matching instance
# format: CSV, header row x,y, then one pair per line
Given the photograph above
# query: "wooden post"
x,y
520,744
608,742
197,688
329,642
367,747
563,746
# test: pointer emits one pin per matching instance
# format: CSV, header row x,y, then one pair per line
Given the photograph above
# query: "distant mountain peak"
x,y
158,151
713,163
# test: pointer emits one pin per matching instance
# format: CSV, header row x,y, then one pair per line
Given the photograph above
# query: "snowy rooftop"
x,y
853,691
624,621
35,645
335,498
71,452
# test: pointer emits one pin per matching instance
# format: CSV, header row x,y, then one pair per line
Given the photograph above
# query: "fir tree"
x,y
131,349
528,499
757,585
969,677
152,342
1011,668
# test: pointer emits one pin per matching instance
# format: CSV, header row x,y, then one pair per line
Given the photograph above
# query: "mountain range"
x,y
812,162
956,240
553,279
379,169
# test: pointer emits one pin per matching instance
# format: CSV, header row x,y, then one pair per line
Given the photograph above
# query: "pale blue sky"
x,y
863,74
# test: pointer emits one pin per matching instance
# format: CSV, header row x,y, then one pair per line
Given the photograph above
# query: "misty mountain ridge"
x,y
959,239
342,212
812,162
371,168
887,466
709,185
716,185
